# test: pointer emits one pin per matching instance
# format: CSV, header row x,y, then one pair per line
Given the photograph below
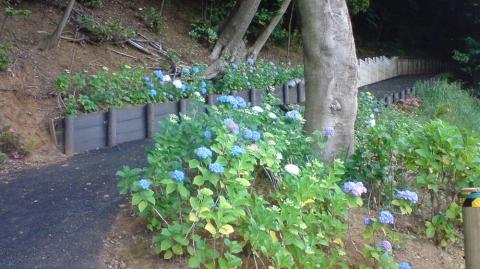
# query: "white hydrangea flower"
x,y
177,83
271,143
272,116
166,78
372,116
197,94
275,208
257,109
279,156
371,123
292,169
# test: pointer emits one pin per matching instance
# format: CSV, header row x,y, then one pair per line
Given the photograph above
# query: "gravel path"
x,y
56,216
395,84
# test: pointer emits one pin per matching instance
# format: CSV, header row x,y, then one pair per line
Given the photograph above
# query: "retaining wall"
x,y
371,70
76,134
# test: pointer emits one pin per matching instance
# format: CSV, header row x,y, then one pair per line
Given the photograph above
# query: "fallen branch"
x,y
139,47
123,54
73,39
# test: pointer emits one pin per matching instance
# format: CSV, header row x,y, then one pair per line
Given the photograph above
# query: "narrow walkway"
x,y
396,84
56,216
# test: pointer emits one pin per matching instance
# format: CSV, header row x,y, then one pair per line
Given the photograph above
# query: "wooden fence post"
x,y
150,118
112,127
69,135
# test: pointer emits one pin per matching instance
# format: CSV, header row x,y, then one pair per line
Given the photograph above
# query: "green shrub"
x,y
110,30
153,19
376,159
83,92
449,102
259,75
445,160
5,58
92,3
469,59
203,32
10,143
405,151
240,195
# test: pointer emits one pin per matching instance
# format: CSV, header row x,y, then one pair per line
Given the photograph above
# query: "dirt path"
x,y
56,216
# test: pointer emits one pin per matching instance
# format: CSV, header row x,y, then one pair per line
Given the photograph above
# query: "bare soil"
x,y
128,245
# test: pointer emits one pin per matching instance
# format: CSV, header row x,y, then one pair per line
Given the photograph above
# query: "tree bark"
x,y
263,37
331,79
231,32
56,35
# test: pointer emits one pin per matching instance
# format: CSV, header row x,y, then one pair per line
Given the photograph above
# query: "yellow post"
x,y
470,201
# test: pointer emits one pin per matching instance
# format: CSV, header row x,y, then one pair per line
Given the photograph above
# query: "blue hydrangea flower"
x,y
368,221
405,265
195,69
147,79
376,110
184,88
144,183
240,102
250,61
153,92
237,151
158,74
208,134
410,196
248,134
203,153
328,131
256,136
178,175
251,69
385,217
203,91
170,97
150,84
234,66
185,71
354,188
232,126
216,168
234,101
293,115
385,245
203,84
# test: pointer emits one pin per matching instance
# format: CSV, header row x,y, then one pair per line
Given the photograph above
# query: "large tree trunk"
x,y
58,32
263,37
330,64
231,33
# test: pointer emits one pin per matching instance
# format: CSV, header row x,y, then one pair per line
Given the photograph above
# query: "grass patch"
x,y
5,57
449,102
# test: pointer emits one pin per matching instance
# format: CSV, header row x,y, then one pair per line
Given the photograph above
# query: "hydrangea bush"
x,y
84,92
238,182
410,166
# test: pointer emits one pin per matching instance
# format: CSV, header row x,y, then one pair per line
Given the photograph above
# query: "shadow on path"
x,y
56,216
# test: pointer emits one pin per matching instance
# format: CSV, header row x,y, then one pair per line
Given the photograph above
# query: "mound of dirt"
x,y
128,245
